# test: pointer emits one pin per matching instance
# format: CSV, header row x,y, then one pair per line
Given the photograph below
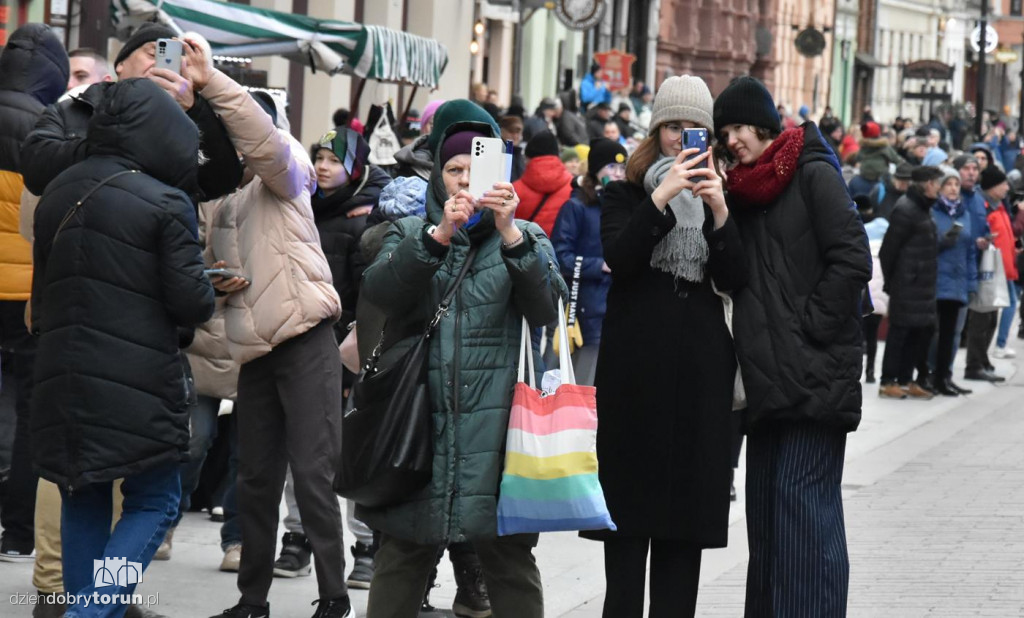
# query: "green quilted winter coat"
x,y
473,360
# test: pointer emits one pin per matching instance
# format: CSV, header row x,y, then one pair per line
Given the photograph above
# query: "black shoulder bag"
x,y
387,436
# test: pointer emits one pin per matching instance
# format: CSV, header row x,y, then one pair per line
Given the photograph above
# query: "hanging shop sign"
x,y
580,14
616,68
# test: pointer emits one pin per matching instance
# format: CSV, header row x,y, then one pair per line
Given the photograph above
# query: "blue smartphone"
x,y
696,138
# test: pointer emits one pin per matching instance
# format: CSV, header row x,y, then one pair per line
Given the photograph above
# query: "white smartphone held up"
x,y
168,55
491,163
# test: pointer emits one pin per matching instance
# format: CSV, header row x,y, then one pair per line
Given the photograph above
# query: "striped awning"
x,y
372,52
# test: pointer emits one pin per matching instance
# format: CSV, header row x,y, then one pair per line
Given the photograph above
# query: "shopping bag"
x,y
550,480
993,293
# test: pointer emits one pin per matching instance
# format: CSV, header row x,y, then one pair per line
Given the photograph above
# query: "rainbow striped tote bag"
x,y
550,479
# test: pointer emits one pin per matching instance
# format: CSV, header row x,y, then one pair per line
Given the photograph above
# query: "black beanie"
x,y
746,101
146,33
542,144
603,152
991,176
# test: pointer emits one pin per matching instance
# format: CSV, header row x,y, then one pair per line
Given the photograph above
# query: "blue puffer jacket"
x,y
578,233
958,265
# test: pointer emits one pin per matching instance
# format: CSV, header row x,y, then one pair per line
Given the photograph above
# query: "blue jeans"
x,y
203,426
1006,317
150,504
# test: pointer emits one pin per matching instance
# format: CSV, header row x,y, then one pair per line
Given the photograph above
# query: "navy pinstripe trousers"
x,y
799,566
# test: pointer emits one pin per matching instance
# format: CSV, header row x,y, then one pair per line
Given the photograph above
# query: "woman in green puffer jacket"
x,y
473,356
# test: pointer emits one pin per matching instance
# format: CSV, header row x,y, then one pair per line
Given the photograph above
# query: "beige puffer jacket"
x,y
214,371
265,231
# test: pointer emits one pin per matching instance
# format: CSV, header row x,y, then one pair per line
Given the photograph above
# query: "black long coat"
x,y
797,322
664,379
110,291
910,261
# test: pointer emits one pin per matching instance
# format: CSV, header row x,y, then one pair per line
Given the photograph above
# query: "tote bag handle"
x,y
564,358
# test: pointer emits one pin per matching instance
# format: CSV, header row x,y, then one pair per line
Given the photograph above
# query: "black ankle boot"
x,y
869,375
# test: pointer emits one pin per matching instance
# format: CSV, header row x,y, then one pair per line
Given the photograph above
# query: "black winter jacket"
x,y
910,261
339,237
797,322
58,141
109,292
33,74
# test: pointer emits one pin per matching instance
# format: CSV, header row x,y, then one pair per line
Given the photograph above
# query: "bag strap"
x,y
74,209
526,355
536,211
442,308
446,302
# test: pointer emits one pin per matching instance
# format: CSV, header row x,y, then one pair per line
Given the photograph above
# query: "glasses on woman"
x,y
673,130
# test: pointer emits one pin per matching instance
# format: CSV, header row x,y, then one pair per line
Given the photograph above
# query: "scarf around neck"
x,y
683,252
950,206
761,183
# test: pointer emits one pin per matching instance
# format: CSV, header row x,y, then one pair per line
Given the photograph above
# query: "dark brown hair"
x,y
721,151
588,186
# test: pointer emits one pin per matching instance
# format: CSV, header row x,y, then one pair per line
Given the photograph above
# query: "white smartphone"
x,y
490,164
168,54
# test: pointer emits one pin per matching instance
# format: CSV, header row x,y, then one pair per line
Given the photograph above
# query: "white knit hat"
x,y
683,97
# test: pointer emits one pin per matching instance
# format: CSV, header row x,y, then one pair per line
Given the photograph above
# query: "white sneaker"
x,y
1004,353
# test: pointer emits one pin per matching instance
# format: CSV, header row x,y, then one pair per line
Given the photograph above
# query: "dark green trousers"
x,y
401,570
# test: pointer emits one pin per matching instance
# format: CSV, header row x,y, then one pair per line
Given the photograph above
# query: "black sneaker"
x,y
362,568
295,553
333,608
13,551
245,611
471,599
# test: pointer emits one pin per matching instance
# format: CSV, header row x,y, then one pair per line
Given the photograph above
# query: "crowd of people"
x,y
178,254
930,211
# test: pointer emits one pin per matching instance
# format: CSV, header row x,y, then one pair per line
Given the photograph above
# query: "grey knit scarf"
x,y
683,253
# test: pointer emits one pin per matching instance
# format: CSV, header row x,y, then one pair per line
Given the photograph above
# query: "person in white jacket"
x,y
279,319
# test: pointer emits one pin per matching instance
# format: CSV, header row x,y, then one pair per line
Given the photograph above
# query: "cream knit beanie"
x,y
682,97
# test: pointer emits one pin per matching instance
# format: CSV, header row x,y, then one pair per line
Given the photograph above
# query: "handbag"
x,y
993,293
550,480
383,142
386,435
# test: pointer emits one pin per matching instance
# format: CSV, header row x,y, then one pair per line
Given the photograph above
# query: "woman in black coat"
x,y
118,269
666,365
799,344
910,262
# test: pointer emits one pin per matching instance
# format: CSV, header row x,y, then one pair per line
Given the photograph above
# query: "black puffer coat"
x,y
109,292
339,237
797,322
33,74
910,261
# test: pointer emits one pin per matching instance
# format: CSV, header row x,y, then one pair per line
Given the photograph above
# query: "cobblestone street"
x,y
934,511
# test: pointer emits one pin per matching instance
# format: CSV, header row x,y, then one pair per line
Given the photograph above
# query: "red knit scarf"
x,y
761,183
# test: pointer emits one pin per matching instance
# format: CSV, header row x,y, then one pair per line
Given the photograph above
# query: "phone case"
x,y
168,55
490,165
696,138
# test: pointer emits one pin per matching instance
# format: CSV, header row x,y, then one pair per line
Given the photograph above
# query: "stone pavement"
x,y
934,508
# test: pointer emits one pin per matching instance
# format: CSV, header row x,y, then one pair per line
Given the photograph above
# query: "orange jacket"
x,y
544,177
999,222
15,252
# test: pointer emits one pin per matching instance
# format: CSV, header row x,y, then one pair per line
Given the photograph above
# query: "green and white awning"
x,y
372,52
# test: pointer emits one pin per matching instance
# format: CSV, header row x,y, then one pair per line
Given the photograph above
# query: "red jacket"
x,y
545,177
999,222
